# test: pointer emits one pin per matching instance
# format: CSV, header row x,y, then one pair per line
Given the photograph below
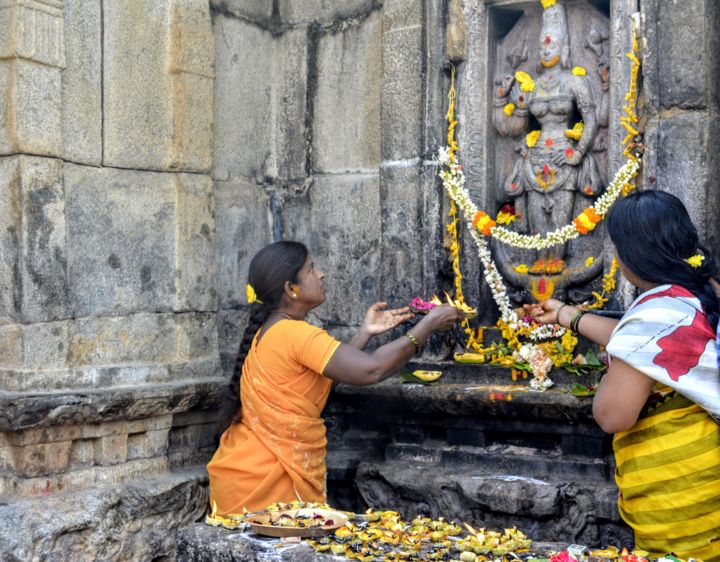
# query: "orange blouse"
x,y
277,452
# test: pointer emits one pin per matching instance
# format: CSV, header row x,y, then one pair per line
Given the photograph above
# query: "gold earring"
x,y
294,295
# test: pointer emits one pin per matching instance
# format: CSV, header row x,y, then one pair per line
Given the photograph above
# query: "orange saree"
x,y
277,452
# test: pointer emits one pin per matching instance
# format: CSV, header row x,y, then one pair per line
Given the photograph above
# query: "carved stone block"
x,y
243,228
402,223
243,94
339,220
402,80
122,236
195,265
158,76
31,56
346,125
32,206
82,82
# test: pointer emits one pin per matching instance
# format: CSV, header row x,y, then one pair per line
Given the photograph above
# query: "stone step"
x,y
554,509
136,521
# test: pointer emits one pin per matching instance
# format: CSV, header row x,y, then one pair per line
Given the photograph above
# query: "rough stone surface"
x,y
32,205
158,78
231,327
297,11
339,220
402,224
243,228
402,79
346,124
196,264
82,82
260,10
135,522
139,241
243,99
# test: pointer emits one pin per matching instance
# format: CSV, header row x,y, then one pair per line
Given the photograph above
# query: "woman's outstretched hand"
x,y
545,312
444,317
378,320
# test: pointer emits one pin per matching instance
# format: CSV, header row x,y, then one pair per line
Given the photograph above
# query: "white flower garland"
x,y
454,183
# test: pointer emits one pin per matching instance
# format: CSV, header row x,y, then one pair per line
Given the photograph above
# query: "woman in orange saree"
x,y
275,449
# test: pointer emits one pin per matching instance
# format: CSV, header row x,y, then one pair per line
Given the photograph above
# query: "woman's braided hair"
x,y
270,269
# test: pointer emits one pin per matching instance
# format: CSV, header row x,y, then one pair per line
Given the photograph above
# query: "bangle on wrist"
x,y
557,318
575,322
414,341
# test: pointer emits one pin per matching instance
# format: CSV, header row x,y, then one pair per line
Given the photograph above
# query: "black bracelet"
x,y
575,322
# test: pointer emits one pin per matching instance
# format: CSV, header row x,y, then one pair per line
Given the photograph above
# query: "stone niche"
x,y
589,82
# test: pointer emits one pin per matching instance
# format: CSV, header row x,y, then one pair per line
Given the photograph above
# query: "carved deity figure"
x,y
556,162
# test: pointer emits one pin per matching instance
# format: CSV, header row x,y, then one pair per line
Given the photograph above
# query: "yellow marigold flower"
x,y
547,3
532,138
579,71
696,260
505,218
576,132
508,109
522,268
589,261
527,84
250,294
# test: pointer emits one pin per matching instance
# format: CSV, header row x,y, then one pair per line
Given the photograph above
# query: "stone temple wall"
x,y
148,148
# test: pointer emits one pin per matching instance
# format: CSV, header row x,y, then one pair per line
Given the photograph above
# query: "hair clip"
x,y
695,261
251,295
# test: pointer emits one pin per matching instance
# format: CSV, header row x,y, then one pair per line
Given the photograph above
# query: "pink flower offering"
x,y
418,304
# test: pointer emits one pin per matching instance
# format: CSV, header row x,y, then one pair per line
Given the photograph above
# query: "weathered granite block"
x,y
402,225
402,80
196,336
135,522
290,89
82,454
195,265
346,124
253,9
121,240
81,83
243,98
111,449
31,56
344,238
231,327
41,459
243,228
681,44
297,11
32,214
158,75
684,144
42,345
147,444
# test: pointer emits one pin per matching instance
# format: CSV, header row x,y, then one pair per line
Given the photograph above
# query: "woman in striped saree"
x,y
661,394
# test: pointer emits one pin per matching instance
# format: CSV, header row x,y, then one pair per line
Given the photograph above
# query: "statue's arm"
x,y
509,120
586,107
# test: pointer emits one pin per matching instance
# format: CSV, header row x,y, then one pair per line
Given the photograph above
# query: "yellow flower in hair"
x,y
250,294
696,260
589,261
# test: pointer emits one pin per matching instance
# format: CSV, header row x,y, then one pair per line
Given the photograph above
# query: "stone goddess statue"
x,y
555,162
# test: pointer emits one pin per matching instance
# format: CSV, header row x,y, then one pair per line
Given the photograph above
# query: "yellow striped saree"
x,y
668,472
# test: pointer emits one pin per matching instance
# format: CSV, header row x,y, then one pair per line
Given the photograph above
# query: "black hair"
x,y
270,269
654,236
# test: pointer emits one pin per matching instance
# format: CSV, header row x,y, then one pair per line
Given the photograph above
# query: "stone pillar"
x,y
109,366
681,83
